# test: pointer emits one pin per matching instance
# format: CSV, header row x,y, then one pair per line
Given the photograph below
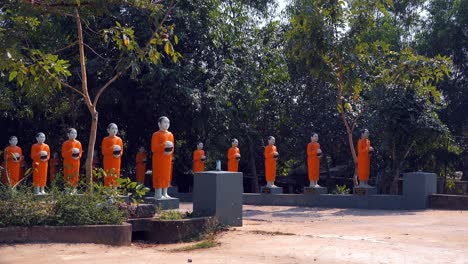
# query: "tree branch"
x,y
64,48
103,88
94,51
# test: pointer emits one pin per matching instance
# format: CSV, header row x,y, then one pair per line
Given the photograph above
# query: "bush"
x,y
22,208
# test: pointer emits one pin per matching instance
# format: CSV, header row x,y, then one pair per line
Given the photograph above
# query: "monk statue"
x,y
271,155
162,146
112,150
71,154
199,158
13,156
234,156
364,149
40,155
140,165
314,153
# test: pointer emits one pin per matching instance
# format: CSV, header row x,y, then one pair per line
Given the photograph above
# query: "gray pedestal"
x,y
172,190
219,194
417,186
271,190
163,204
315,190
364,191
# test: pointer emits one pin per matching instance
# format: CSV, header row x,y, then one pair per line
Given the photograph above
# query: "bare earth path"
x,y
293,235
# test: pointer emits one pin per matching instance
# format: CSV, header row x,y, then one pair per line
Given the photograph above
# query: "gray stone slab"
x,y
417,186
219,194
172,190
364,191
314,190
271,190
163,204
384,202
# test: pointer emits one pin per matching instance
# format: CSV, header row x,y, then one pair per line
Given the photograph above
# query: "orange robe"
x,y
111,163
53,168
39,166
363,159
71,166
198,164
13,168
140,166
313,161
233,163
270,163
22,168
162,163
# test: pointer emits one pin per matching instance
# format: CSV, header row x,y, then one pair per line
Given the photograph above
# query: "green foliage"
x,y
199,245
170,215
22,208
135,190
341,189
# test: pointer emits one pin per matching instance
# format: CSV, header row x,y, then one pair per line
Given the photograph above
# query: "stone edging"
x,y
117,235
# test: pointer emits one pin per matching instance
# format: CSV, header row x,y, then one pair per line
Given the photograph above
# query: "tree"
x,y
337,40
40,69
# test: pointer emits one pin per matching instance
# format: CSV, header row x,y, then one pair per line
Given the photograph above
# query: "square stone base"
x,y
315,190
163,204
271,190
365,191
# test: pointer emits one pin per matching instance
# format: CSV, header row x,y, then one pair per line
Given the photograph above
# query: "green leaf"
x,y
12,75
176,39
167,48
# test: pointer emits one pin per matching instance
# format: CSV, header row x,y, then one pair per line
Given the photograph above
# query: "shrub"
x,y
22,208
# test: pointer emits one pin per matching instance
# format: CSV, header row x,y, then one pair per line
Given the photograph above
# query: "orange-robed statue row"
x,y
314,154
162,147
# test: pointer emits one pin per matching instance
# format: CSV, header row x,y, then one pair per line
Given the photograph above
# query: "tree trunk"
x,y
91,108
343,117
90,155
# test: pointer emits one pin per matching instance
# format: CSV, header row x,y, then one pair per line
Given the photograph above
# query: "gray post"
x,y
219,194
417,186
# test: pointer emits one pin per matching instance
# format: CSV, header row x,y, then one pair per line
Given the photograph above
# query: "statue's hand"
x,y
44,155
169,147
117,149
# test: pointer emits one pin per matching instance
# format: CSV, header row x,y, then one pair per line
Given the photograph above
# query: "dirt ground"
x,y
284,234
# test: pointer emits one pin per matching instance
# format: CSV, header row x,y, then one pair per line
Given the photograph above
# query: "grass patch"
x,y
270,233
200,245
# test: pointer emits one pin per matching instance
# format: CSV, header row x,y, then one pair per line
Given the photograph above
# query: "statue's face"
x,y
13,141
164,124
365,134
72,134
55,155
314,138
271,141
40,138
113,130
141,149
235,143
200,146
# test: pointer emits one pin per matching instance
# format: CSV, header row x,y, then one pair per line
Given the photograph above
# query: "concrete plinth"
x,y
163,204
315,190
219,194
271,190
417,186
364,191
